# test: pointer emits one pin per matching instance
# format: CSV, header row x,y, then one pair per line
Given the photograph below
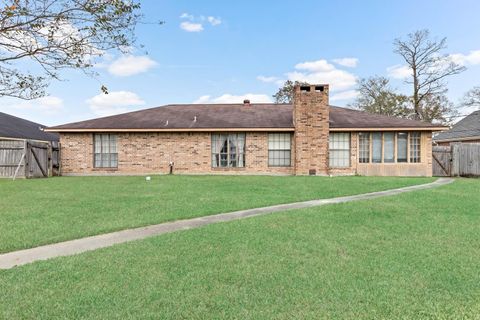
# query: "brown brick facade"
x,y
151,153
311,117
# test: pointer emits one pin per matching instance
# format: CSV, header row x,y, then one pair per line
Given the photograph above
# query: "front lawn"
x,y
411,256
36,212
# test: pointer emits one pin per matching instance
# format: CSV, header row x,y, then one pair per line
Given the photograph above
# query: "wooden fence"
x,y
459,159
28,159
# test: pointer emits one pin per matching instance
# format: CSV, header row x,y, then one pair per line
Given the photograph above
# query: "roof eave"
x,y
73,130
440,128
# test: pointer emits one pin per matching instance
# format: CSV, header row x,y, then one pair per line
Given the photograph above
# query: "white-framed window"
x,y
376,147
228,150
279,149
364,147
402,147
379,147
415,147
105,150
339,149
388,147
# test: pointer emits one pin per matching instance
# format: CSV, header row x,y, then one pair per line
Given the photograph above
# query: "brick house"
x,y
308,137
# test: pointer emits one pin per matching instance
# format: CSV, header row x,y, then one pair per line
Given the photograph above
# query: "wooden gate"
x,y
442,161
29,159
37,159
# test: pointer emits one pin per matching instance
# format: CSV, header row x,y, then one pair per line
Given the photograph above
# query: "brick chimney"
x,y
311,121
246,103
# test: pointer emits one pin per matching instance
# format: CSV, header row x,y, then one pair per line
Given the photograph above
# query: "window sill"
x,y
105,169
228,168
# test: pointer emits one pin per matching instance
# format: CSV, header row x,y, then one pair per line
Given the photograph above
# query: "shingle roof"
x,y
224,116
468,127
13,127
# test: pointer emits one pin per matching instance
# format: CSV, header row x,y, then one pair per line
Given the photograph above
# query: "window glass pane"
x,y
415,147
279,149
228,150
105,151
389,147
364,146
402,138
339,155
376,147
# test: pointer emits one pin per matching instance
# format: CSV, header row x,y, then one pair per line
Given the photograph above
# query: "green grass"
x,y
36,212
411,256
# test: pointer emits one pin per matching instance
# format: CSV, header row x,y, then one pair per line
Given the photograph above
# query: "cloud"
x,y
214,21
399,72
346,62
191,27
229,98
49,105
130,65
473,58
344,95
267,79
195,24
320,71
113,103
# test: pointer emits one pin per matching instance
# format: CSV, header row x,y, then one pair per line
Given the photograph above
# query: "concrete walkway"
x,y
67,248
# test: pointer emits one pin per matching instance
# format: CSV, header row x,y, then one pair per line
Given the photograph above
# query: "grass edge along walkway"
x,y
72,247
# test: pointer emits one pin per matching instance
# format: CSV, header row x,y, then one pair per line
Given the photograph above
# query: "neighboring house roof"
x,y
465,129
232,116
18,128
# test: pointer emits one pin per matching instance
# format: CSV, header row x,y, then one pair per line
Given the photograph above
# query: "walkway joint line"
x,y
72,247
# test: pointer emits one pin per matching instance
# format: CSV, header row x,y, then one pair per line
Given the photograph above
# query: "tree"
x,y
429,67
47,36
472,98
376,96
285,93
437,108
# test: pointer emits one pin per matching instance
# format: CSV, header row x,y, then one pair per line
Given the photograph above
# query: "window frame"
x,y
273,134
413,144
348,149
228,152
112,162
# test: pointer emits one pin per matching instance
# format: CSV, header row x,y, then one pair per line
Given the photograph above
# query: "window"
x,y
364,147
388,147
377,147
228,150
339,145
402,140
105,151
279,149
415,147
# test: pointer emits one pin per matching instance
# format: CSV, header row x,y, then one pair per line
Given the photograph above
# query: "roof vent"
x,y
166,123
195,119
246,103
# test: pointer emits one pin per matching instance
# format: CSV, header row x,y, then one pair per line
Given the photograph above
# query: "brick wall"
x,y
151,153
311,120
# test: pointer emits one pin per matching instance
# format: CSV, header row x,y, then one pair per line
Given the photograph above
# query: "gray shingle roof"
x,y
468,127
13,127
225,116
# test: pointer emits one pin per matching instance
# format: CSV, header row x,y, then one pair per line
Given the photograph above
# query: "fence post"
x,y
455,159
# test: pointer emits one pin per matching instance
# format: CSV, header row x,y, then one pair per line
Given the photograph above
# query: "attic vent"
x,y
319,88
304,89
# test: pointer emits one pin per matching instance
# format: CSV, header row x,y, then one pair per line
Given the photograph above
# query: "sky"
x,y
224,51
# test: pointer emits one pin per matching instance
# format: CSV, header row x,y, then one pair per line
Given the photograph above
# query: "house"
x,y
308,137
26,150
466,130
13,128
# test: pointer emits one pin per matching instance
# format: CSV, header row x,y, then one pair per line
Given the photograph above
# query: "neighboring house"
x,y
466,130
13,128
26,151
308,137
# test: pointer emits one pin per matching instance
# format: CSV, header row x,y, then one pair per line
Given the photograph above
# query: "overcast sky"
x,y
224,51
